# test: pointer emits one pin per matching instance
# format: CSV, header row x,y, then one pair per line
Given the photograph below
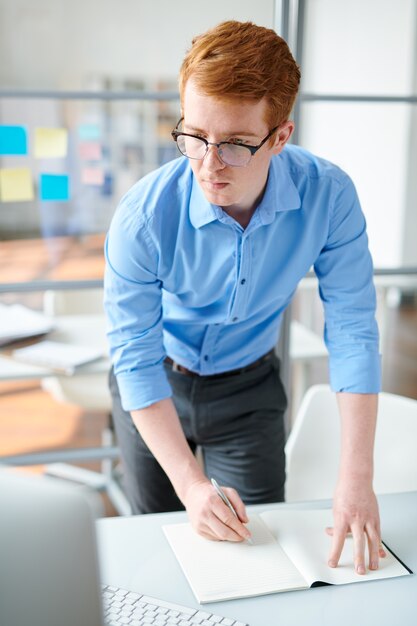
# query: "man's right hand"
x,y
162,432
211,518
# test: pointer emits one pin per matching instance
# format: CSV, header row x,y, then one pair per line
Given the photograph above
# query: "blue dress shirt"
x,y
184,279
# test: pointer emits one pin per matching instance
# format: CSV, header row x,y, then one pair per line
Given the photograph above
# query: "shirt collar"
x,y
281,194
201,211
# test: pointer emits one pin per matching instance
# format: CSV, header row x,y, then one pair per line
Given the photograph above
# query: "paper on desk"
x,y
290,552
20,322
308,546
223,570
58,356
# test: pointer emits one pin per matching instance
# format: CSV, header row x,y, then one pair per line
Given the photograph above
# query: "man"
x,y
203,256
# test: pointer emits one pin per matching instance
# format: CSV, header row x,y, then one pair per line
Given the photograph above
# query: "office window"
x,y
51,44
50,49
367,49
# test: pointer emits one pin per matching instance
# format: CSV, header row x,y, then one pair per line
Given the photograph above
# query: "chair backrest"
x,y
313,447
90,391
73,301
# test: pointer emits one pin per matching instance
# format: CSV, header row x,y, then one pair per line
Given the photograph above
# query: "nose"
x,y
212,160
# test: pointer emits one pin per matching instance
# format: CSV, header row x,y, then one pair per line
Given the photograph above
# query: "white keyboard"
x,y
134,609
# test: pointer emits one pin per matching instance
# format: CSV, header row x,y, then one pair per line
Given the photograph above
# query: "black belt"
x,y
176,367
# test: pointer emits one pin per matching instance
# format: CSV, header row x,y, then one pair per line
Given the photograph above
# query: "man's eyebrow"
x,y
245,133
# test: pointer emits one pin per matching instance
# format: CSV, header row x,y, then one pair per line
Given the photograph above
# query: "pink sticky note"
x,y
92,176
90,151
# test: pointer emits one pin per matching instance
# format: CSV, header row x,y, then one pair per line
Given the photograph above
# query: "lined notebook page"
x,y
302,535
225,570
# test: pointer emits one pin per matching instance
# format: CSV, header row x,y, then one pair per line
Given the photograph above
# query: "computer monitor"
x,y
49,573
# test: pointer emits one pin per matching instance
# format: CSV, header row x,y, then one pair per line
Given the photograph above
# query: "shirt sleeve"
x,y
345,273
133,304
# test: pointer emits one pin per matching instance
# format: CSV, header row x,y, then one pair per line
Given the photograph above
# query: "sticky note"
x,y
13,140
51,142
90,151
54,186
92,176
16,184
89,131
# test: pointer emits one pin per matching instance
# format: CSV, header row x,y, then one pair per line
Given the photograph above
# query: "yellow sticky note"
x,y
51,142
16,184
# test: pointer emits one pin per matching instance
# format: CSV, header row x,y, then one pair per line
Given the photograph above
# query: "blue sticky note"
x,y
89,132
54,186
13,140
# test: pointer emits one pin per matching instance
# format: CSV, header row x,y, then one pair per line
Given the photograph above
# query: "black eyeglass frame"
x,y
252,149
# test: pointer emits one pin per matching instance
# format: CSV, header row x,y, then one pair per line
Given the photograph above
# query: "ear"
x,y
282,136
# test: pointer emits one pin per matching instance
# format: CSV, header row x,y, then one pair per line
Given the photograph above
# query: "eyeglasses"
x,y
230,152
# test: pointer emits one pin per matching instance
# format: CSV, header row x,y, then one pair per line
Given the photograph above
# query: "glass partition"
x,y
359,109
99,147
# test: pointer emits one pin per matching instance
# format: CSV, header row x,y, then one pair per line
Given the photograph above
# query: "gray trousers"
x,y
236,420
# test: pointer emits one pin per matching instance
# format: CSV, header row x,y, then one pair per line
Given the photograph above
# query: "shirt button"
x,y
235,319
206,358
243,281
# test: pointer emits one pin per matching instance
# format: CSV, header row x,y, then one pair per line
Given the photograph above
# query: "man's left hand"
x,y
355,512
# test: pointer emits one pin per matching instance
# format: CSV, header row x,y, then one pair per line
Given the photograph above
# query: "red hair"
x,y
239,60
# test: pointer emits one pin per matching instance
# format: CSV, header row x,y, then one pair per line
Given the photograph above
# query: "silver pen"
x,y
226,501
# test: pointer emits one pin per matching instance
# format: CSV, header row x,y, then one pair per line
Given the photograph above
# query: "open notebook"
x,y
290,551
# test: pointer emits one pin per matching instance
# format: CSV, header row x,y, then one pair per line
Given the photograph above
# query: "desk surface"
x,y
134,554
90,331
83,330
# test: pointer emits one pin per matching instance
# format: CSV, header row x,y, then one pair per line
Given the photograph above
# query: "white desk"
x,y
134,554
90,330
87,385
84,330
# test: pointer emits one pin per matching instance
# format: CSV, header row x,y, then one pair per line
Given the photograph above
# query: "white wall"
x,y
368,48
360,46
66,43
97,44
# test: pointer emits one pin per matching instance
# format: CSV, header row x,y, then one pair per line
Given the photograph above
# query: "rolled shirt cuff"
x,y
140,388
356,373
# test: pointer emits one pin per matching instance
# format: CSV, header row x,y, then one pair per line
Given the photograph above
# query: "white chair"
x,y
313,446
306,348
89,391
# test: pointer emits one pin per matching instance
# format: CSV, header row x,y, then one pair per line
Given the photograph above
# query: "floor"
x,y
400,360
30,419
